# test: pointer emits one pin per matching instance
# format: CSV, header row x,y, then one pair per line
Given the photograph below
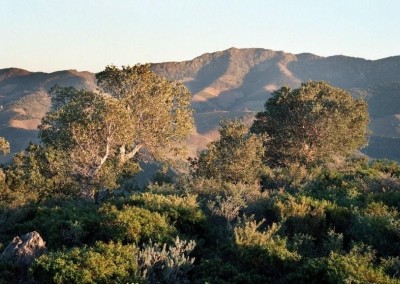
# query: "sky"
x,y
87,35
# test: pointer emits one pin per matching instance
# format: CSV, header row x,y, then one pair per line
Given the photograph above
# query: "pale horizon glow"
x,y
53,35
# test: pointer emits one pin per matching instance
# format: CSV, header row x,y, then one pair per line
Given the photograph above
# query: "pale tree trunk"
x,y
96,169
88,175
124,157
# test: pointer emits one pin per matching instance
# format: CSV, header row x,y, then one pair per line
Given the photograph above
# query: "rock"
x,y
23,251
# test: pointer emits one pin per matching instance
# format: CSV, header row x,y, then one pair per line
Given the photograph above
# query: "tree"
x,y
312,124
236,157
104,133
89,127
160,109
4,146
39,172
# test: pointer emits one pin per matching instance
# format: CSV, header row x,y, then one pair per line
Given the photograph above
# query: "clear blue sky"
x,y
49,35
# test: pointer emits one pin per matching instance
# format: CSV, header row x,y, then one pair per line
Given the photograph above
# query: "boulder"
x,y
22,251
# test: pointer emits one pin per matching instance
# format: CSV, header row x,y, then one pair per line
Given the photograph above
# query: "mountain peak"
x,y
12,72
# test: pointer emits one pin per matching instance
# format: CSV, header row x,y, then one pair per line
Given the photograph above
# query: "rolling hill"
x,y
225,84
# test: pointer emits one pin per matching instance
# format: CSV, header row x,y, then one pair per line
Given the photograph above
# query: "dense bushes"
x,y
116,263
319,224
353,267
101,263
331,225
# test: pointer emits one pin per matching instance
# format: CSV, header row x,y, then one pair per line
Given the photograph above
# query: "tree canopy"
x,y
160,109
312,124
90,128
236,157
4,146
136,111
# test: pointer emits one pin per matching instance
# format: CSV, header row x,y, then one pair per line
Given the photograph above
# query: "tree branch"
x,y
127,156
97,168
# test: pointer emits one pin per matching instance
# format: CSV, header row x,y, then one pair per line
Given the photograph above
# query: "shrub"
x,y
378,226
166,264
266,252
116,263
302,214
133,224
183,211
353,267
102,263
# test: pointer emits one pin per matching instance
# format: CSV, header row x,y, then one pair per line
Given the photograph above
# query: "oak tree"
x,y
134,112
312,124
160,109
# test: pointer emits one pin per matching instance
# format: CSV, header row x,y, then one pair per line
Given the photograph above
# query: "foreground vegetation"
x,y
260,205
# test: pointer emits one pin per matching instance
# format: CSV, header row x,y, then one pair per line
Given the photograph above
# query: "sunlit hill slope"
x,y
225,84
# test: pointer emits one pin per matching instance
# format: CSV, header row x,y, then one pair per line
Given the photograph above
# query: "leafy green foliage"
x,y
8,272
102,263
263,251
90,128
37,173
353,267
116,263
160,109
312,124
4,146
183,211
79,222
379,226
236,157
101,134
133,224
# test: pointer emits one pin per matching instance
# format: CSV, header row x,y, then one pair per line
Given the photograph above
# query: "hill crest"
x,y
225,84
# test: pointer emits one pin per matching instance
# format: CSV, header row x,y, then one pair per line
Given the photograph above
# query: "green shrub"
x,y
217,270
116,263
391,266
9,273
103,263
391,168
302,214
378,226
184,211
77,222
67,224
354,267
266,251
133,224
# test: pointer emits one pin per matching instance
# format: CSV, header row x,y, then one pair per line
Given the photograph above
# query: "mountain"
x,y
24,100
237,82
227,84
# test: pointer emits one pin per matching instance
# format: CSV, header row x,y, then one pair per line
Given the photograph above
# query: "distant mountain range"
x,y
225,84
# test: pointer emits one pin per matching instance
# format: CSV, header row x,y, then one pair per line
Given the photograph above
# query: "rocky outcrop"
x,y
22,251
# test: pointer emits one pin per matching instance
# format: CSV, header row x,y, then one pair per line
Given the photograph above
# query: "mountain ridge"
x,y
225,84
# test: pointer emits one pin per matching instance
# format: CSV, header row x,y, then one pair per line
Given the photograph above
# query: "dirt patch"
x,y
28,124
20,111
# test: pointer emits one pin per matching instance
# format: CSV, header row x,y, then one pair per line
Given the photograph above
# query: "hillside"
x,y
24,100
237,82
225,84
